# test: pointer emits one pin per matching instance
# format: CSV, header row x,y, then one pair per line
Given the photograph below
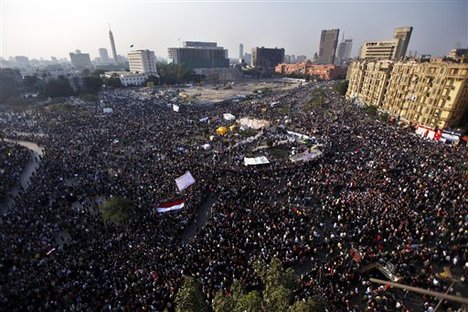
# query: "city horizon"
x,y
429,36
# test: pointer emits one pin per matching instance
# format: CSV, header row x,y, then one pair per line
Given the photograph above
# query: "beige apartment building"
x,y
433,94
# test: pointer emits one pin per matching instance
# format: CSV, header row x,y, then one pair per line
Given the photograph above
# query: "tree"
x,y
223,303
173,73
307,306
153,79
58,87
92,84
117,210
10,83
190,297
113,81
342,87
31,83
274,296
250,302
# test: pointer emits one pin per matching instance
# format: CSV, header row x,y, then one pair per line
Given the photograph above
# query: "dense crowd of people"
x,y
13,159
379,190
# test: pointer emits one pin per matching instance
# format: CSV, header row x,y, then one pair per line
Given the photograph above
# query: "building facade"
x,y
197,54
241,51
344,52
142,62
379,50
328,44
403,34
267,57
431,94
104,56
394,49
80,60
324,72
114,51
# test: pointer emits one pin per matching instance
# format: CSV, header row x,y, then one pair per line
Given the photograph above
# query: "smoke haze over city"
x,y
54,28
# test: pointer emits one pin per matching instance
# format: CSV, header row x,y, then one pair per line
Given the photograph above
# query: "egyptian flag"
x,y
170,206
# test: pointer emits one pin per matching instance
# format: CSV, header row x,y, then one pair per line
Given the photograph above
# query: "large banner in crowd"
x,y
184,181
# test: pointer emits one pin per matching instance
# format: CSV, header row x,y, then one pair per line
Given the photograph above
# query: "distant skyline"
x,y
54,28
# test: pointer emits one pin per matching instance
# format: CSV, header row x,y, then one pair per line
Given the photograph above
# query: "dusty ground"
x,y
208,94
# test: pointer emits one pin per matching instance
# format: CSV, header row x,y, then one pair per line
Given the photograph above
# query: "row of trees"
x,y
12,84
274,295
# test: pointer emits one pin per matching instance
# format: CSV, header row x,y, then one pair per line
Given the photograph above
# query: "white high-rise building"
x,y
142,62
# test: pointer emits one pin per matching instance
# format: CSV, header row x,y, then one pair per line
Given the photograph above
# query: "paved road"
x,y
25,177
200,219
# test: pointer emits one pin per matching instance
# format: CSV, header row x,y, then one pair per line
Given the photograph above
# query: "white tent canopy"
x,y
229,116
253,161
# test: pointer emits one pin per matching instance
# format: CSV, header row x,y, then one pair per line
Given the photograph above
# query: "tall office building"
x,y
80,60
142,62
403,34
114,52
241,51
344,51
379,50
197,54
104,56
267,57
328,43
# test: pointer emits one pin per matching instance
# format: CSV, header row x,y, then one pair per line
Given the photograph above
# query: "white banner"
x,y
184,181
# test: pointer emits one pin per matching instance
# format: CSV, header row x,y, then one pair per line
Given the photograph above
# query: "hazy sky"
x,y
37,28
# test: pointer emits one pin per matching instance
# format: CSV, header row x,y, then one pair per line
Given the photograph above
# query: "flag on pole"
x,y
184,181
170,206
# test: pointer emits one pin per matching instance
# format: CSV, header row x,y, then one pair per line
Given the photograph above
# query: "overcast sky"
x,y
38,28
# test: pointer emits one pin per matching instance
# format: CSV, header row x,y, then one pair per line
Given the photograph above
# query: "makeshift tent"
x,y
229,116
255,161
306,156
175,108
107,110
221,131
254,123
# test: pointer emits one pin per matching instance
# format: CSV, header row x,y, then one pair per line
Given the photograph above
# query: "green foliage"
x,y
173,73
92,84
307,306
250,302
275,295
117,210
58,87
89,97
113,81
342,87
31,83
10,83
222,303
277,298
190,296
317,99
370,110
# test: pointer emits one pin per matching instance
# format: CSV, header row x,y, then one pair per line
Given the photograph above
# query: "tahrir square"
x,y
164,194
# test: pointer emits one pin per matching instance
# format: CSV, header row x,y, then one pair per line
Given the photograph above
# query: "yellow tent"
x,y
221,131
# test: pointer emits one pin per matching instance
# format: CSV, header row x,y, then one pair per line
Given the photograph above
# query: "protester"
x,y
378,189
